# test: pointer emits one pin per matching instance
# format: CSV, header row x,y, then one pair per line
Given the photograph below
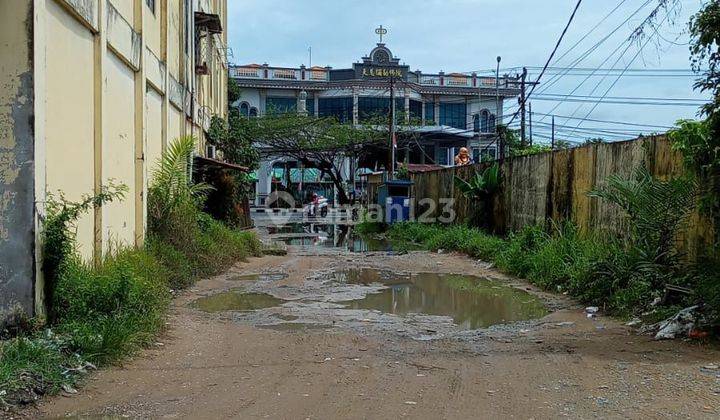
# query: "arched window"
x,y
253,112
492,123
484,121
476,123
244,109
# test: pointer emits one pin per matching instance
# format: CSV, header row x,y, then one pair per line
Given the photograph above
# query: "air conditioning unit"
x,y
210,151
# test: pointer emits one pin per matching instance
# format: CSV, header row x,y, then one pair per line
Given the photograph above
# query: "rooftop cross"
x,y
381,31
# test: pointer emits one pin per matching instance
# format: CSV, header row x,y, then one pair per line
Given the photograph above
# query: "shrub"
x,y
114,308
178,267
59,233
514,258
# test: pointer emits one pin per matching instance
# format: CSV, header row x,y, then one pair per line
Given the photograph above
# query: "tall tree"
x,y
320,143
705,56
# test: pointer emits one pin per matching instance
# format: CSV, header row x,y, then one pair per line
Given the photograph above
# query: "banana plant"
x,y
480,185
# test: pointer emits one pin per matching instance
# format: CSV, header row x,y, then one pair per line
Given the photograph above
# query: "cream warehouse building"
x,y
92,91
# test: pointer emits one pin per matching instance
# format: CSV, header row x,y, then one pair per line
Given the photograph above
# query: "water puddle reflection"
x,y
471,302
236,300
310,235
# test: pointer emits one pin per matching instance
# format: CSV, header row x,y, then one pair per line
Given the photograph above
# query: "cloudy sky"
x,y
468,35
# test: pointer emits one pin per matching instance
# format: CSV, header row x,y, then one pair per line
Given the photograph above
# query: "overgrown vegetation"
x,y
187,241
105,311
561,260
624,273
480,188
59,230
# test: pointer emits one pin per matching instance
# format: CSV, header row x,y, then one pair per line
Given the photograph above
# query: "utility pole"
x,y
530,115
523,141
552,144
501,142
391,129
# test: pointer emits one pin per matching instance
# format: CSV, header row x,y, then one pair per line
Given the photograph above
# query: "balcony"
x,y
264,72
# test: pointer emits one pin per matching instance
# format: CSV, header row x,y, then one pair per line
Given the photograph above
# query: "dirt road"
x,y
363,363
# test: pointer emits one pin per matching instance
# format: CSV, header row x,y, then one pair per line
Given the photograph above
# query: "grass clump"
x,y
114,308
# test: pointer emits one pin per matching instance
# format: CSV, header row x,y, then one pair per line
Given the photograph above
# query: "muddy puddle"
x,y
471,302
418,305
236,300
256,277
328,236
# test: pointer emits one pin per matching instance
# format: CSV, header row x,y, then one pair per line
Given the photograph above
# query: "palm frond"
x,y
172,183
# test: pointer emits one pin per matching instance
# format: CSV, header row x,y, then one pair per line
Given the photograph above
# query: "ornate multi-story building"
x,y
446,110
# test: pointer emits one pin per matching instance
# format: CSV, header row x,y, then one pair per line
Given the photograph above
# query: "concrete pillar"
x,y
407,106
140,88
165,35
263,101
100,51
356,101
264,184
17,158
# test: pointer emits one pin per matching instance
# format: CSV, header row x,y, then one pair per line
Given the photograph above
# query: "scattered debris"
x,y
410,403
602,401
698,334
634,322
681,324
590,311
69,389
565,324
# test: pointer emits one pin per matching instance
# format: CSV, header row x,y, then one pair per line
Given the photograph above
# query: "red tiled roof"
x,y
416,167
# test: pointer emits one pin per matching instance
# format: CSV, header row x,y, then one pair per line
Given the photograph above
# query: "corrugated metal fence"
x,y
554,186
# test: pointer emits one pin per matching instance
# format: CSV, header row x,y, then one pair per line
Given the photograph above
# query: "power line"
x,y
557,45
589,51
655,31
611,102
608,121
628,98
